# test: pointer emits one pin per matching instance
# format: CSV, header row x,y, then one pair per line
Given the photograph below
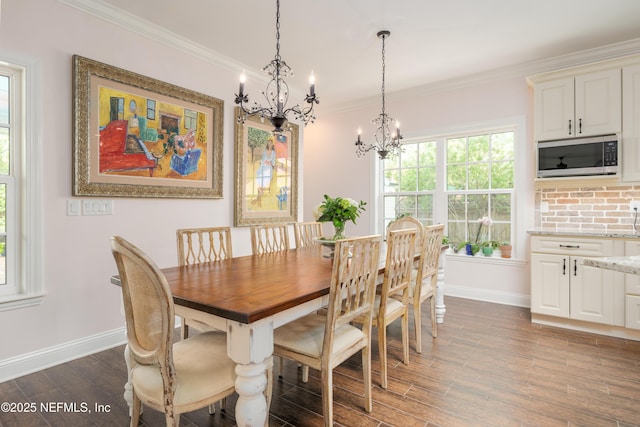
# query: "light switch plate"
x,y
73,207
97,207
544,206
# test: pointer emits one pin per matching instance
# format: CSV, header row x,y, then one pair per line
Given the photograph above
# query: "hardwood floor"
x,y
489,366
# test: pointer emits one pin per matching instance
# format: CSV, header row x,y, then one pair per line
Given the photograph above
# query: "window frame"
x,y
24,256
516,124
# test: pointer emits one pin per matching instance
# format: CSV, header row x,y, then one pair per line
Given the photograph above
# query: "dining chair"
x,y
325,341
197,245
306,232
408,222
391,303
172,378
424,280
269,238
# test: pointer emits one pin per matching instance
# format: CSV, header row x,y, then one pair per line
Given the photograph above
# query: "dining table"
x,y
249,297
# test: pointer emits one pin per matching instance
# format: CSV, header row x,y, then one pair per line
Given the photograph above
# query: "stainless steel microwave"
x,y
595,155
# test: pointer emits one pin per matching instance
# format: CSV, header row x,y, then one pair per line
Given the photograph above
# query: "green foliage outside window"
x,y
478,181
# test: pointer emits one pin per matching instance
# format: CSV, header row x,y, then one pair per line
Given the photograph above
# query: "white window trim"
x,y
519,220
30,290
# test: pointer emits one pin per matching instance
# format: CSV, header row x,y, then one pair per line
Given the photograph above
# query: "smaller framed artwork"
x,y
266,172
135,136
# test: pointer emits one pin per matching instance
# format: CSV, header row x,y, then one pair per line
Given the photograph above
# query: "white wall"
x,y
81,302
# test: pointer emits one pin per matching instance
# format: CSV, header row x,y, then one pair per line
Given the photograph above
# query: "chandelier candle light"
x,y
277,92
386,141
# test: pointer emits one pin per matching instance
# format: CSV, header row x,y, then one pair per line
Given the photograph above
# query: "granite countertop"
x,y
625,264
622,234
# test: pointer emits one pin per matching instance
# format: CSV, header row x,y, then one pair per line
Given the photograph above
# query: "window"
x,y
475,178
479,176
20,271
410,182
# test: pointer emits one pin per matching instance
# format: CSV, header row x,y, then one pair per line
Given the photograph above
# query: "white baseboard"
x,y
507,298
45,358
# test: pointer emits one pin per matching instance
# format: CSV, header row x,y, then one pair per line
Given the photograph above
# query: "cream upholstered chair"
x,y
268,238
324,342
306,232
423,286
196,245
172,378
392,301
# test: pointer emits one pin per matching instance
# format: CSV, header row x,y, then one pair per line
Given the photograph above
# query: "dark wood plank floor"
x,y
489,366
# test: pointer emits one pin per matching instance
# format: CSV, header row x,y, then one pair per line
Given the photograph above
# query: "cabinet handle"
x,y
564,266
580,126
575,267
569,126
570,246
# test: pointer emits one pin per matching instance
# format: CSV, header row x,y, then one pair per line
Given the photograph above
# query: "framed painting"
x,y
135,136
266,172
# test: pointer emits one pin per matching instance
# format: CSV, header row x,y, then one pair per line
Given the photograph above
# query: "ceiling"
x,y
431,41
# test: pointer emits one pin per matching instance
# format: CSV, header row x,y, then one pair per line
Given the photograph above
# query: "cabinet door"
x,y
550,284
597,294
632,281
554,109
599,103
630,156
632,311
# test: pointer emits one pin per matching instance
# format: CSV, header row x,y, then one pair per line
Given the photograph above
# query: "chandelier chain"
x,y
383,73
278,30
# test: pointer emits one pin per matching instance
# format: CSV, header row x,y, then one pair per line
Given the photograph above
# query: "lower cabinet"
x,y
562,286
632,289
632,311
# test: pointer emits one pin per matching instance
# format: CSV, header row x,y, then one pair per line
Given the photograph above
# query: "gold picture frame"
x,y
135,136
266,172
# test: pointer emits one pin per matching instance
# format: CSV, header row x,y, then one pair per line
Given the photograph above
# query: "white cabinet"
x,y
583,105
562,286
549,285
632,289
631,124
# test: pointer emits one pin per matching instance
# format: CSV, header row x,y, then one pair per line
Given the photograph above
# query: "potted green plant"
x,y
505,250
338,211
489,246
470,248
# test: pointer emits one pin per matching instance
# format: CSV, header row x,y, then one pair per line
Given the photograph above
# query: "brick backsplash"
x,y
587,208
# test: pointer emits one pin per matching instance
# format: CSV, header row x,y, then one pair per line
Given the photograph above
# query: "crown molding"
x,y
130,22
613,52
109,13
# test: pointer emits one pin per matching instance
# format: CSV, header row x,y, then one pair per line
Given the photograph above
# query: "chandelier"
x,y
276,93
386,141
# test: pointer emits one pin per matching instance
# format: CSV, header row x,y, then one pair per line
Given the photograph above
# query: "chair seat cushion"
x,y
306,335
425,289
202,370
393,305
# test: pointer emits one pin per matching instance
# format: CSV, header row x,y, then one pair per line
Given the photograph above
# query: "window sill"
x,y
479,258
15,301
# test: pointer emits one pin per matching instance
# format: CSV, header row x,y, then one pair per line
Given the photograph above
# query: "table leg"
x,y
440,307
251,347
128,389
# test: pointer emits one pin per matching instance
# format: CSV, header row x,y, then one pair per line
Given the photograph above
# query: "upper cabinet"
x,y
576,106
631,119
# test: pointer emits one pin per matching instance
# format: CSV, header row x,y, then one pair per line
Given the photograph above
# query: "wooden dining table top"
x,y
250,288
253,287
